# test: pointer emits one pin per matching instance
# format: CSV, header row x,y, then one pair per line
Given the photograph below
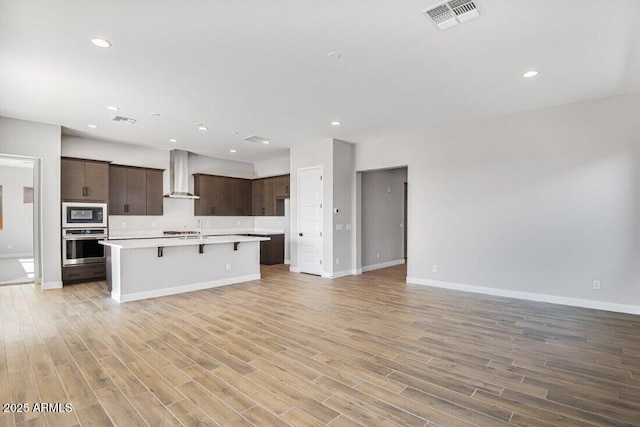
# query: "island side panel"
x,y
183,269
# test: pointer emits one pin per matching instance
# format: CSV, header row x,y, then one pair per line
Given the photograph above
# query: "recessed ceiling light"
x,y
530,74
101,42
266,141
155,114
333,56
173,140
113,108
234,132
335,123
202,128
232,151
92,126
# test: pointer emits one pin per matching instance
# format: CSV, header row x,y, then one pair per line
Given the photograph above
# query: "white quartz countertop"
x,y
205,232
137,243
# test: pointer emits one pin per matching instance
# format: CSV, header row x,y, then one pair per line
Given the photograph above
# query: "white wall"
x,y
23,138
382,205
540,203
309,155
16,237
272,167
343,196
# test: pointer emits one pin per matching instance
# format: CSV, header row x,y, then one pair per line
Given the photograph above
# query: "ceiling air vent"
x,y
452,13
123,120
256,139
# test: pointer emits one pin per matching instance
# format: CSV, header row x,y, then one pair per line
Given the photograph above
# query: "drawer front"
x,y
86,273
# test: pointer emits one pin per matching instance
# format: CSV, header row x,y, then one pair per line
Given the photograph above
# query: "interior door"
x,y
310,186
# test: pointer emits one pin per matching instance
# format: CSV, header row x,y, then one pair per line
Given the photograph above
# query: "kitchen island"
x,y
148,268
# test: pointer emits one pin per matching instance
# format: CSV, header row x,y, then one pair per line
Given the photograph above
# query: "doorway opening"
x,y
20,260
382,210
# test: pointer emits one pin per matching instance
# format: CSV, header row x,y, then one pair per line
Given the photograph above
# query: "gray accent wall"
x,y
542,202
382,216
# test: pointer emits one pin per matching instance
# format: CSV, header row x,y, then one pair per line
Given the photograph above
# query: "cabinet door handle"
x,y
84,191
262,211
126,207
213,210
286,189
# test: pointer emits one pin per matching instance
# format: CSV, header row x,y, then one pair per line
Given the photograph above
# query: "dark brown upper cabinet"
x,y
221,195
135,191
282,186
155,196
84,180
258,207
226,196
265,192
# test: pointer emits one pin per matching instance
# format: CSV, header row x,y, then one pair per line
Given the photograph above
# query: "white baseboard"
x,y
294,269
185,288
51,285
530,296
19,255
342,273
366,268
287,261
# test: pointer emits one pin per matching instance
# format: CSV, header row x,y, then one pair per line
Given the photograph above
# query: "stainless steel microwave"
x,y
79,214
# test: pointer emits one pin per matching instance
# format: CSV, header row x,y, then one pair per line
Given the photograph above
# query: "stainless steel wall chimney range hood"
x,y
179,175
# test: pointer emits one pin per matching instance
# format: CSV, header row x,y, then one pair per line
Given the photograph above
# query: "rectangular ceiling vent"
x,y
123,120
452,13
257,139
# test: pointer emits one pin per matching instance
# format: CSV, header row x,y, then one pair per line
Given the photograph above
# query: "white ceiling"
x,y
260,66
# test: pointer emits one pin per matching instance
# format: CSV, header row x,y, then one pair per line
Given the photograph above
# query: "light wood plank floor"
x,y
299,350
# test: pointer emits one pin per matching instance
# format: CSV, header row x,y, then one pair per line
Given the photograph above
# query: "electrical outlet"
x,y
207,223
228,267
377,254
596,284
337,261
153,224
123,224
239,222
434,268
348,227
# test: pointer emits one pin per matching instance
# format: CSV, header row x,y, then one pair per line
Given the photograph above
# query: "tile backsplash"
x,y
178,215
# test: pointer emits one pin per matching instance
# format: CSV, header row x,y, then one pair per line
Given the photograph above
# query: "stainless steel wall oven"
x,y
80,246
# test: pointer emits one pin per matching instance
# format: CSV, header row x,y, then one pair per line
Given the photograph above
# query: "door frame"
x,y
37,212
299,246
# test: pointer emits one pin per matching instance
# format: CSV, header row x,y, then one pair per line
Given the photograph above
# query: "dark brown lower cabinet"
x,y
84,273
272,251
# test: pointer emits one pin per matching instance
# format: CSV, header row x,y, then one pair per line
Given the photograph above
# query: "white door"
x,y
310,220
